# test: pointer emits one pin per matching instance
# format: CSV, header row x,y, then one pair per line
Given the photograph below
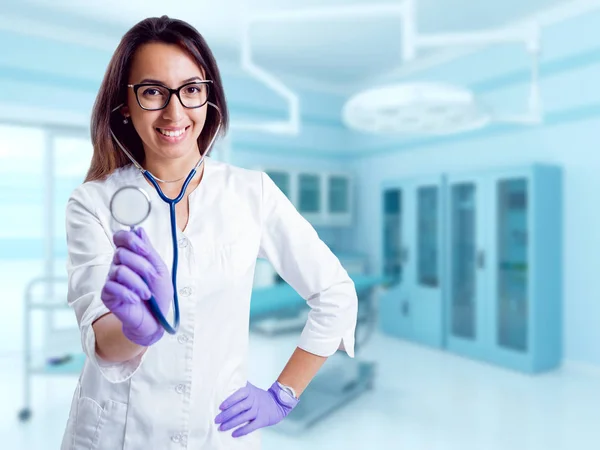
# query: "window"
x,y
39,168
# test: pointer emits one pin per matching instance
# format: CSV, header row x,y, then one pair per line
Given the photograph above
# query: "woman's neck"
x,y
171,170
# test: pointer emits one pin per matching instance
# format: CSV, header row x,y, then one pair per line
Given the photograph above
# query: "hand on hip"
x,y
253,408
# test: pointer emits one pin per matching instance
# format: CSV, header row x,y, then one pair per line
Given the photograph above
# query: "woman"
x,y
140,388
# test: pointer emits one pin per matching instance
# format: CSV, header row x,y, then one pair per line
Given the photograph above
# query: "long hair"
x,y
107,156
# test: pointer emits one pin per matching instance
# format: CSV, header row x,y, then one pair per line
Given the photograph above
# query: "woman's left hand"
x,y
256,406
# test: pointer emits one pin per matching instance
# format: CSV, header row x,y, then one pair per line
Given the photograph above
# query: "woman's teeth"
x,y
172,133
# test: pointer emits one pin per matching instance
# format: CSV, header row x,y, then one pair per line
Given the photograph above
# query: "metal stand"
x,y
41,368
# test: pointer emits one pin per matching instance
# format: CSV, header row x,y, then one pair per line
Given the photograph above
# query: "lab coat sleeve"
x,y
305,262
90,253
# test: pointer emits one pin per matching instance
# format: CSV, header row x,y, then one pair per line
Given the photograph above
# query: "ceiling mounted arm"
x,y
290,126
452,101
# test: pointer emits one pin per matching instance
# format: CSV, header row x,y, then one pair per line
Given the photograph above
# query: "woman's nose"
x,y
174,110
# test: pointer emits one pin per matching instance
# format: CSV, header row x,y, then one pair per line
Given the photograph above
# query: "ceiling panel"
x,y
339,50
342,50
435,16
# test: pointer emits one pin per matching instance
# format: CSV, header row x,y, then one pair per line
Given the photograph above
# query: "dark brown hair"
x,y
107,155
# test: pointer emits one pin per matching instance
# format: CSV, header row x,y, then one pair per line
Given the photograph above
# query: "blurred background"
x,y
445,151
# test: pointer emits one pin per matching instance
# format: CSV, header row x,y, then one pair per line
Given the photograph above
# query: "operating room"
x,y
445,152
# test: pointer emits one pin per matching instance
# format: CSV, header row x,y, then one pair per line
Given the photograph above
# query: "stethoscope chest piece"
x,y
130,206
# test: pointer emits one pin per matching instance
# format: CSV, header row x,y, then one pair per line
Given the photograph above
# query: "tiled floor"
x,y
422,400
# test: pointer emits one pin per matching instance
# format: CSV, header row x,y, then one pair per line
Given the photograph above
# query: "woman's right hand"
x,y
136,273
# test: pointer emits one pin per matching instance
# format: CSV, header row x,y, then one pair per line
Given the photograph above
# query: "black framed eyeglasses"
x,y
153,97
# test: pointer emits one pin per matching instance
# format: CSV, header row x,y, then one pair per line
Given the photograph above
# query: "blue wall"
x,y
569,137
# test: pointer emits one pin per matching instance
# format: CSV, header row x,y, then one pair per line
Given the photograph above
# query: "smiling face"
x,y
171,133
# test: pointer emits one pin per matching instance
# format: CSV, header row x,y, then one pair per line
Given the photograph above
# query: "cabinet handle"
x,y
405,308
481,259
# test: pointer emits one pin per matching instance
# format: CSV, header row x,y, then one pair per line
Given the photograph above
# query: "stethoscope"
x,y
131,205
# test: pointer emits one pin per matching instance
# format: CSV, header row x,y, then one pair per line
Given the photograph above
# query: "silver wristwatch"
x,y
288,389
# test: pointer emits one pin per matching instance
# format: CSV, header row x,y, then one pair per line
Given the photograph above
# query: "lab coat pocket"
x,y
227,263
224,265
110,433
86,423
98,428
67,440
241,256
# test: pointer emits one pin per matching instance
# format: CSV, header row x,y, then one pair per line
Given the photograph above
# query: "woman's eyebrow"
x,y
151,80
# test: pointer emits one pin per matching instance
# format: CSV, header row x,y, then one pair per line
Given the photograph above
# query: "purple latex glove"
x,y
254,405
136,273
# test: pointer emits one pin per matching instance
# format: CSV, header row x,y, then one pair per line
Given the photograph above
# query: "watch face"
x,y
286,398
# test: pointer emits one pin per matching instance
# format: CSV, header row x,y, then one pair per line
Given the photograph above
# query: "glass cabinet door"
x,y
427,236
463,260
512,275
309,192
282,180
338,189
392,235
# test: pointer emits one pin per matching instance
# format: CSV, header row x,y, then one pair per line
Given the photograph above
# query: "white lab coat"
x,y
168,398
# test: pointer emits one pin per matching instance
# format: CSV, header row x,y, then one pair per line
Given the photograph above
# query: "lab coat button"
x,y
180,388
183,243
182,338
176,438
185,292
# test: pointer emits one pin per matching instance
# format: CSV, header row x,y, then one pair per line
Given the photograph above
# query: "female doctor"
x,y
142,388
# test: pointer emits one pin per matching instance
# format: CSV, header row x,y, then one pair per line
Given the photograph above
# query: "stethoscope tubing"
x,y
154,308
